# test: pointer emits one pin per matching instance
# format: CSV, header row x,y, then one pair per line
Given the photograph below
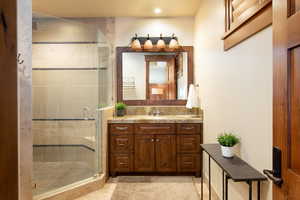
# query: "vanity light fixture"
x,y
161,43
174,43
148,44
136,44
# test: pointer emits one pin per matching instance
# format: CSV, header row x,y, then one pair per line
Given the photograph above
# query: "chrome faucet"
x,y
155,112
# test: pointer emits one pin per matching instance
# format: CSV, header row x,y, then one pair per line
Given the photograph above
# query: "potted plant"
x,y
120,109
227,142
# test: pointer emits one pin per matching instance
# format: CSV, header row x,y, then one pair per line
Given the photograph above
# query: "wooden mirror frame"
x,y
121,50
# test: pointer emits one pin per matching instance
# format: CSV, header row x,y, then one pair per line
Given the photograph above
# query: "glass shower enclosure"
x,y
72,76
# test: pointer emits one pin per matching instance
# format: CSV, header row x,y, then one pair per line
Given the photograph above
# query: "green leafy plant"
x,y
120,106
228,139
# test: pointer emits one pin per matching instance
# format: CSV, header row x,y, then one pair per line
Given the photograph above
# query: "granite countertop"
x,y
156,119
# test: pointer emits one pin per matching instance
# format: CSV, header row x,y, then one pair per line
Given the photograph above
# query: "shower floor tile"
x,y
53,175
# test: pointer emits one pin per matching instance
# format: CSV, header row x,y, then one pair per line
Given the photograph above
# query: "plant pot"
x,y
227,152
120,113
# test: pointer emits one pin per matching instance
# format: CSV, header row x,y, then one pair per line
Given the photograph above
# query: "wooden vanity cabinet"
x,y
155,148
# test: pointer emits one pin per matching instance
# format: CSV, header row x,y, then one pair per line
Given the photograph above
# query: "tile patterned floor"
x,y
107,192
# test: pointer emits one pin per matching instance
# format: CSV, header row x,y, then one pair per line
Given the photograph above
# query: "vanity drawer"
x,y
121,129
155,129
121,143
188,143
188,163
189,128
121,163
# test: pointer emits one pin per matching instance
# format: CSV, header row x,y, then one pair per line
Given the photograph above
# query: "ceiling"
x,y
115,8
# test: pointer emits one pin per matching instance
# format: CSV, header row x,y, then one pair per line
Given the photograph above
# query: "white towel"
x,y
192,100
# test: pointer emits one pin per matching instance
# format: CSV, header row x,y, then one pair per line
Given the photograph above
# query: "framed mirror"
x,y
154,77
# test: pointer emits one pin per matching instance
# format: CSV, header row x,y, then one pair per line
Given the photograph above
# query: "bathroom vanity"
x,y
155,145
164,139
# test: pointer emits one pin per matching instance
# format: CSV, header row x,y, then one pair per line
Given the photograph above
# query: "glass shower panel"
x,y
71,62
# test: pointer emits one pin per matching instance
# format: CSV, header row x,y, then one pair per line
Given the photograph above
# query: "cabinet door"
x,y
121,143
120,163
188,143
165,146
155,129
189,129
144,156
121,129
189,163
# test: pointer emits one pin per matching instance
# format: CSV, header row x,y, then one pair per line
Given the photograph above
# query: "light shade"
x,y
174,43
148,44
136,44
161,43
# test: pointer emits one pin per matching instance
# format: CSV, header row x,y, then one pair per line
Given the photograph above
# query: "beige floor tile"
x,y
106,192
103,194
197,182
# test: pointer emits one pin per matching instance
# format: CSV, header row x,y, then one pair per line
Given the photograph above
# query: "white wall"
x,y
236,92
182,27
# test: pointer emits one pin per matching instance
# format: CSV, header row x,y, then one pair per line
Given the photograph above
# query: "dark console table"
x,y
233,168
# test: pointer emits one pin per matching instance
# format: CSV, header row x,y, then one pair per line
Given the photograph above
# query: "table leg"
x,y
209,178
202,177
223,174
258,190
250,190
226,187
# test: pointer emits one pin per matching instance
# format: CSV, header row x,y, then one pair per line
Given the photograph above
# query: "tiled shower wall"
x,y
72,77
83,44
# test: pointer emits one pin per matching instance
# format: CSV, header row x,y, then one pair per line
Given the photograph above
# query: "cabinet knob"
x,y
157,140
152,140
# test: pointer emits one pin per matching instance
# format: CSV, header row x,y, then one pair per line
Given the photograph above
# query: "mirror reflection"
x,y
155,76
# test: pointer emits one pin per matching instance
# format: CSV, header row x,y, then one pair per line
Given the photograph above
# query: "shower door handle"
x,y
34,186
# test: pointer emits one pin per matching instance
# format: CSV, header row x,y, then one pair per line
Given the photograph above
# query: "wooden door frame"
x,y
280,108
157,58
282,42
15,101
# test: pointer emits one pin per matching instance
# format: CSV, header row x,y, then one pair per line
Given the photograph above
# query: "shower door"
x,y
69,60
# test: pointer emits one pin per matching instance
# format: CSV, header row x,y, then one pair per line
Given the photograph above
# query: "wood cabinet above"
x,y
244,18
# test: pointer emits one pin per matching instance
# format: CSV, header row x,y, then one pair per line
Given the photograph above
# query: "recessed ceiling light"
x,y
157,10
